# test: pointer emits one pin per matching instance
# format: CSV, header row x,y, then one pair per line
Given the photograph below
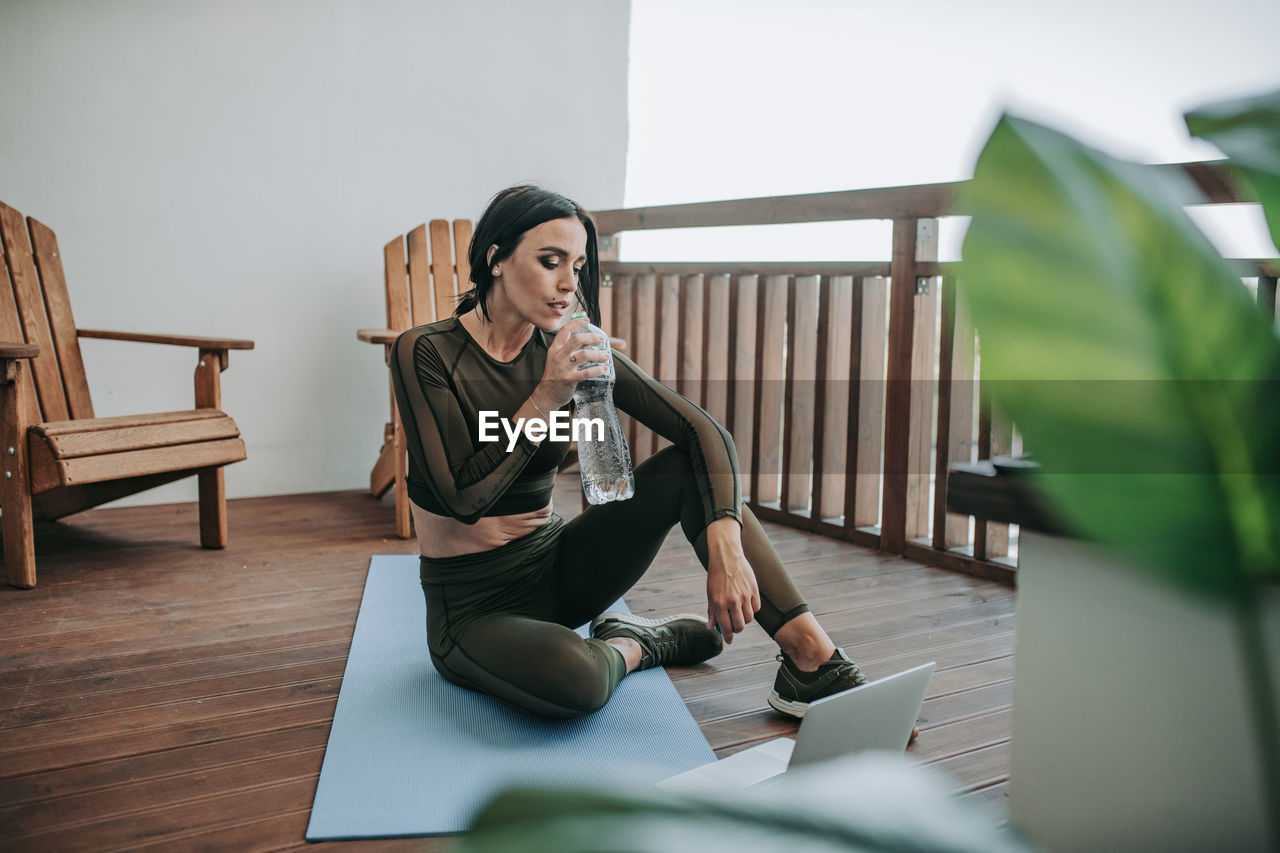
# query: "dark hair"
x,y
509,215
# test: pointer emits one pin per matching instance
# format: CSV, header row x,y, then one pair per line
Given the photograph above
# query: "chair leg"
x,y
19,535
213,509
404,521
15,484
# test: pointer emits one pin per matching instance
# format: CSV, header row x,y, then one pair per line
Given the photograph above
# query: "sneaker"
x,y
683,639
794,689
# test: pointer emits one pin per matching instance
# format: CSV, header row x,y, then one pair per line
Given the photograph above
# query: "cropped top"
x,y
443,380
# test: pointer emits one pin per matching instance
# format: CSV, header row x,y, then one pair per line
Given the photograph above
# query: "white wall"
x,y
234,169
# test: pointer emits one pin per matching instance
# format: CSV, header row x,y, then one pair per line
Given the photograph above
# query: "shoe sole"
x,y
787,706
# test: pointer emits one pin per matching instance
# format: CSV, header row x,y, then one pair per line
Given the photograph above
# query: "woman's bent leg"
x,y
538,666
605,550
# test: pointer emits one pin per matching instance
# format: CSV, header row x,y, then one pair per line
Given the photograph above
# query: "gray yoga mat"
x,y
411,754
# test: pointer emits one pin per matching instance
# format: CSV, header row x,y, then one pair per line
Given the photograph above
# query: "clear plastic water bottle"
x,y
605,464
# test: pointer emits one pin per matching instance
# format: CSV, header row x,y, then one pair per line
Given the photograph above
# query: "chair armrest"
x,y
172,340
15,349
378,336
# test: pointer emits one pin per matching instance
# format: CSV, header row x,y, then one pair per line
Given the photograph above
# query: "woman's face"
x,y
540,278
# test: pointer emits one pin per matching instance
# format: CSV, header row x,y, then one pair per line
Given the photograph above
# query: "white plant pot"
x,y
1131,719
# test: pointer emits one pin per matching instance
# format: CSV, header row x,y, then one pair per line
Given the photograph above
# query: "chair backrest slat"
x,y
442,268
61,322
420,277
11,330
397,291
461,245
31,310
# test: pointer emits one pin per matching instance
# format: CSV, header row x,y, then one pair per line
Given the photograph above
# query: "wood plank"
x,y
461,252
62,324
802,369
960,447
395,291
68,445
857,269
743,380
645,334
623,313
31,310
421,306
715,397
195,341
442,269
15,489
871,343
898,391
605,300
59,428
770,381
878,203
668,342
834,458
155,460
692,328
383,475
924,351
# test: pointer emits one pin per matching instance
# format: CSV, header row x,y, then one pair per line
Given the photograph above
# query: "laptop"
x,y
877,715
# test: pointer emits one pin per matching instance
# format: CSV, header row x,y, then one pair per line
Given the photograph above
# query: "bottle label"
x,y
560,428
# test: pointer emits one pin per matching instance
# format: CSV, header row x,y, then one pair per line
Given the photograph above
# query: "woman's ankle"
x,y
805,643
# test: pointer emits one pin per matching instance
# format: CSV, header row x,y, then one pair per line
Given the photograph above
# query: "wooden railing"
x,y
827,373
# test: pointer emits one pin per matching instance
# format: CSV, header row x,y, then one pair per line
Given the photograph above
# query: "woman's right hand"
x,y
561,375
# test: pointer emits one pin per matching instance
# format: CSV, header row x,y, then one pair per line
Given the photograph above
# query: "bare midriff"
x,y
440,536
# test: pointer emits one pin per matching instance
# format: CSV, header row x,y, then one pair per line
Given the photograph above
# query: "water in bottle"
x,y
605,464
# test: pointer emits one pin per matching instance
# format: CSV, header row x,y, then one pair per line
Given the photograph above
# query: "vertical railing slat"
x,y
745,302
946,354
643,316
771,327
802,359
692,327
960,446
715,393
871,303
897,414
831,465
924,349
623,312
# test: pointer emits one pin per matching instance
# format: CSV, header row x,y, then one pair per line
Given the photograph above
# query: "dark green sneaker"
x,y
794,690
683,639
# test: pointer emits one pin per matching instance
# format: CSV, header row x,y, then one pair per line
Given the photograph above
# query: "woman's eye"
x,y
577,272
551,262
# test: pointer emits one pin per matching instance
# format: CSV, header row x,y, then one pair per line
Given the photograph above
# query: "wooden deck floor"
x,y
157,696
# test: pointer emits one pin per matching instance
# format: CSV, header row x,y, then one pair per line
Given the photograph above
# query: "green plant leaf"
x,y
869,802
1130,357
1247,130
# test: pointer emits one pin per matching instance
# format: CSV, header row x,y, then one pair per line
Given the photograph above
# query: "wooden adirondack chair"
x,y
60,459
419,290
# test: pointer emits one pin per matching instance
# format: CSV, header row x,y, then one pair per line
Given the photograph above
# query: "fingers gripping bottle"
x,y
603,455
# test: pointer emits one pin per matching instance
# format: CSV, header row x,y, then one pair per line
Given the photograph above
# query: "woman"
x,y
505,578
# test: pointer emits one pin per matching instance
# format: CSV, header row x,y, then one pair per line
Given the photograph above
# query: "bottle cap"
x,y
576,316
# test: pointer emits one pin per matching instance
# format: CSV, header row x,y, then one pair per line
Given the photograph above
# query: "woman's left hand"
x,y
733,596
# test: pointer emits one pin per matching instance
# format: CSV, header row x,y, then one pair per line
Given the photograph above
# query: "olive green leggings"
x,y
501,621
